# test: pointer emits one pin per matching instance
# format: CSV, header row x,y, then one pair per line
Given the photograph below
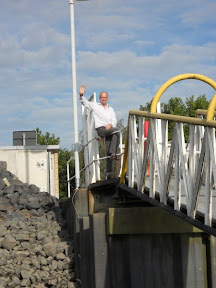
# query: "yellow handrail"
x,y
179,78
211,109
176,118
125,158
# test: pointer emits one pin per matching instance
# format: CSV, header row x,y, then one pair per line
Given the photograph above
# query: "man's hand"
x,y
107,127
82,90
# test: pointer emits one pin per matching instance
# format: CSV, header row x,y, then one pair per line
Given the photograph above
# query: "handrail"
x,y
211,108
179,78
94,160
203,112
96,137
176,118
82,148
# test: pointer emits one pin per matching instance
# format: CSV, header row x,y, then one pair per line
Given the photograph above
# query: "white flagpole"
x,y
75,117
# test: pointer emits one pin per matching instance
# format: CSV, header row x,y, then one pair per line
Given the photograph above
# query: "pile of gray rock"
x,y
35,248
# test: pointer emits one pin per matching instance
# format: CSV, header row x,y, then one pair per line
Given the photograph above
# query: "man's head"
x,y
103,98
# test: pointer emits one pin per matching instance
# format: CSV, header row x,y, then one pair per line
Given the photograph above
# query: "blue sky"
x,y
128,48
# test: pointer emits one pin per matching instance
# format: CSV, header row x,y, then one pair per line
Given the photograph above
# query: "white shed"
x,y
36,164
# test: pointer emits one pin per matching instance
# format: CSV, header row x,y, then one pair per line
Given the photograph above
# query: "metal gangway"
x,y
174,174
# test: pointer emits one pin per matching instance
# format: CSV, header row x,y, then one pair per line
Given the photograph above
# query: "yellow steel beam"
x,y
179,78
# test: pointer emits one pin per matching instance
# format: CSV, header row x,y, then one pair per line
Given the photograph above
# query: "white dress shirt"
x,y
102,115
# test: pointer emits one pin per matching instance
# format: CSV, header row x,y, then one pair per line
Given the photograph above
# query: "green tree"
x,y
192,105
176,106
47,138
146,107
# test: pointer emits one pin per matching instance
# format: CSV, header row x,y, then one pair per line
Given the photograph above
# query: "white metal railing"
x,y
90,149
168,168
173,168
185,172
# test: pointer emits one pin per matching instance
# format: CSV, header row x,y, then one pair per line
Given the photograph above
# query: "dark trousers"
x,y
112,143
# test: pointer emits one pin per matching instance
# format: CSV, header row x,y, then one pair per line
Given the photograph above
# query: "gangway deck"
x,y
120,199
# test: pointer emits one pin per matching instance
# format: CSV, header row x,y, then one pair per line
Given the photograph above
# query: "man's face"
x,y
103,98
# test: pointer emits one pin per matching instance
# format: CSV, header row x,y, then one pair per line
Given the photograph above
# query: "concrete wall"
x,y
140,247
157,260
34,165
121,252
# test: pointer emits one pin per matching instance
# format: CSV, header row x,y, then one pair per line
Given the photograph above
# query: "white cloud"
x,y
172,60
201,12
128,48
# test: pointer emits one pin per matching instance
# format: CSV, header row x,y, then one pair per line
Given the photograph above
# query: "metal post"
x,y
76,135
68,182
24,139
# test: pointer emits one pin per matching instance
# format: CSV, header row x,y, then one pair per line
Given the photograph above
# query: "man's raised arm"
x,y
84,101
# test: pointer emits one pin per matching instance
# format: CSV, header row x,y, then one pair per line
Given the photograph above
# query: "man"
x,y
105,124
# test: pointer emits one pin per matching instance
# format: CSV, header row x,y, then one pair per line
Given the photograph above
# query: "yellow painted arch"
x,y
180,77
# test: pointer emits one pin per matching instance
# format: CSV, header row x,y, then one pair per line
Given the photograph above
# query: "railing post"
x,y
130,160
121,151
164,153
97,156
85,117
183,158
140,150
68,183
191,160
152,159
208,173
177,186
